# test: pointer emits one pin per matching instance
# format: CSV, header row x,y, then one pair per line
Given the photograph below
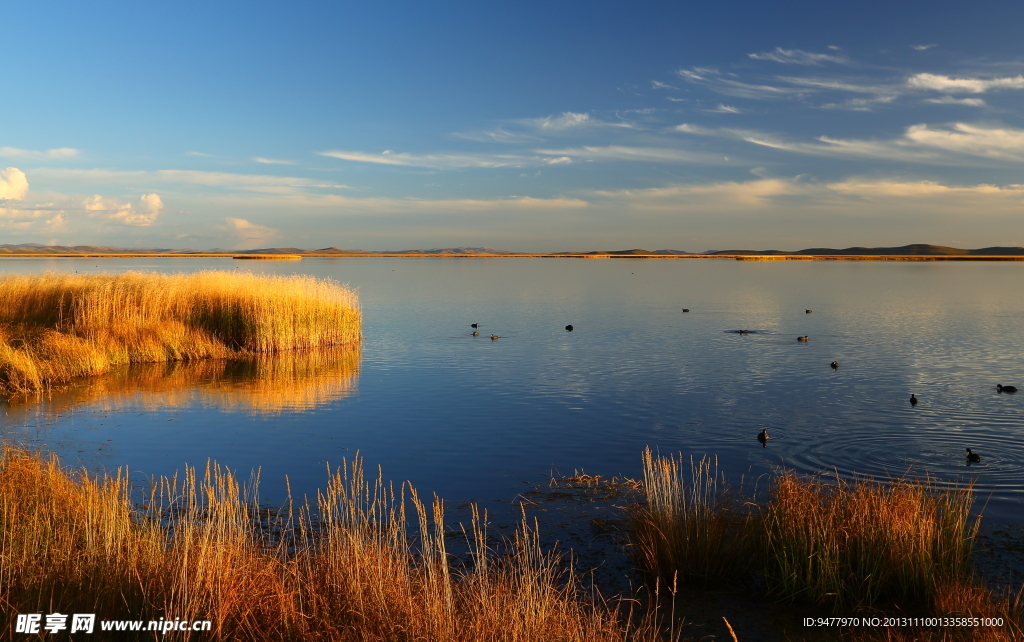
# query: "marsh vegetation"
x,y
56,327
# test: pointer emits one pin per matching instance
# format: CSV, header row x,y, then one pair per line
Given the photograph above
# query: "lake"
x,y
471,418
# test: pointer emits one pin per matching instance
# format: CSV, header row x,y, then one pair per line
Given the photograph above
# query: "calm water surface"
x,y
472,419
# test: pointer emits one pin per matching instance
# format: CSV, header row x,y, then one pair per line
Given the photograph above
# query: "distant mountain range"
x,y
917,249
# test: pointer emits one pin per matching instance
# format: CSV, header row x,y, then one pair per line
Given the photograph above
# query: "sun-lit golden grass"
x,y
56,327
865,542
342,567
260,385
849,545
693,532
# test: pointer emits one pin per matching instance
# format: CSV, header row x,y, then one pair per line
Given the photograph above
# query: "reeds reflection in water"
x,y
262,384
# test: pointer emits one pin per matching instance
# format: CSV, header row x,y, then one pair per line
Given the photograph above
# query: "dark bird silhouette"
x,y
476,334
474,325
807,311
803,338
913,399
686,309
568,328
743,331
1002,388
763,438
494,337
835,365
973,457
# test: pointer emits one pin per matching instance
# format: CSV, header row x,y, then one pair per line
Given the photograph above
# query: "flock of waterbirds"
x,y
763,437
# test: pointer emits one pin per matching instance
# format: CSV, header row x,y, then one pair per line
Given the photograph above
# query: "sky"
x,y
527,126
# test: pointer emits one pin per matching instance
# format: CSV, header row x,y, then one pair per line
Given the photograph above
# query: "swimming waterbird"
x,y
686,309
1002,388
913,399
807,311
494,337
568,328
803,338
476,334
763,437
474,325
973,457
835,365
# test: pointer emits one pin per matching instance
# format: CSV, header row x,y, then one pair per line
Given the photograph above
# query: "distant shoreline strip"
x,y
737,257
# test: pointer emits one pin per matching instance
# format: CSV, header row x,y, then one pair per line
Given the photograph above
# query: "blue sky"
x,y
525,126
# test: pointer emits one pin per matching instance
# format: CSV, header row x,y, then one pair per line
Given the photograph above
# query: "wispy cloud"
x,y
724,109
436,161
798,57
248,233
271,161
498,135
928,144
952,85
922,47
633,153
61,153
717,82
221,180
655,84
949,100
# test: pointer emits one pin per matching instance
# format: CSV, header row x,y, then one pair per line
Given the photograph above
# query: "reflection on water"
x,y
272,384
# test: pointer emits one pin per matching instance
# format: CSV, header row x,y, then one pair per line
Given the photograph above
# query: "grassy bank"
x,y
865,546
341,568
56,327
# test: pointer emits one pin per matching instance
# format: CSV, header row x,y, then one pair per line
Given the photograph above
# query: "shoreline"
x,y
735,257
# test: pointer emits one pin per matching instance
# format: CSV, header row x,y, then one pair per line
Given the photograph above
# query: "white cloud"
x,y
724,109
715,81
633,153
58,154
13,184
142,213
435,161
797,57
935,145
1002,143
497,135
949,100
964,85
566,120
655,84
923,47
271,161
247,232
221,180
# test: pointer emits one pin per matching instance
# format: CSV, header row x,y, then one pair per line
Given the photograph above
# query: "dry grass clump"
x,y
342,568
696,532
55,327
849,545
865,543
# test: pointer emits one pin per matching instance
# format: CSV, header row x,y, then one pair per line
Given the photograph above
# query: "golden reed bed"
x,y
364,562
56,327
